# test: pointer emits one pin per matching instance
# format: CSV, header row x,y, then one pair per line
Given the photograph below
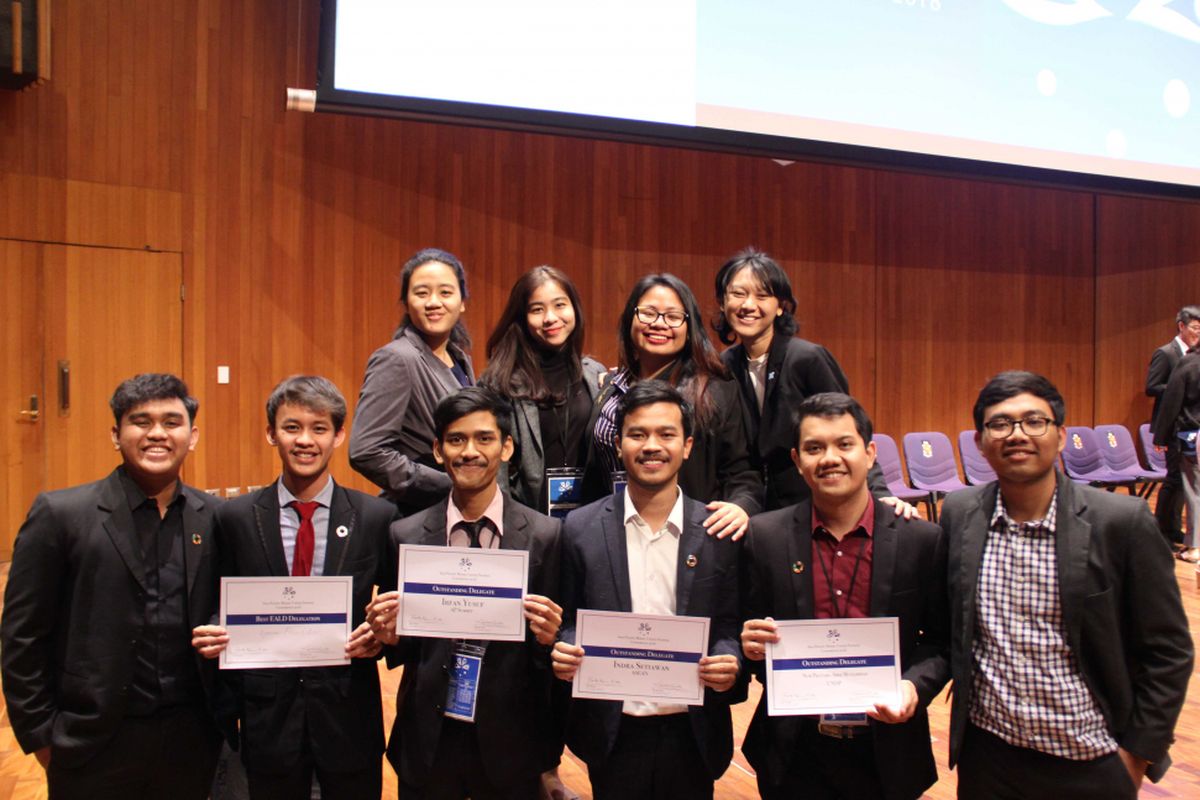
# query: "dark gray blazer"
x,y
908,580
595,575
1162,364
391,438
1120,606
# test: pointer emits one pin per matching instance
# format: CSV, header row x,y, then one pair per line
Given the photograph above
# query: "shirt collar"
x,y
1183,348
674,519
324,497
1002,521
866,522
494,513
136,497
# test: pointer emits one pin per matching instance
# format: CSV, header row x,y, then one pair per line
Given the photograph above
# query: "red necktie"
x,y
302,560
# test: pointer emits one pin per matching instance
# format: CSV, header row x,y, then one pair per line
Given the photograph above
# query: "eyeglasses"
x,y
1003,427
648,315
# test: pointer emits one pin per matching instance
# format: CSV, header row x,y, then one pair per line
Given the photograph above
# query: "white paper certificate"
x,y
462,593
833,666
286,622
645,657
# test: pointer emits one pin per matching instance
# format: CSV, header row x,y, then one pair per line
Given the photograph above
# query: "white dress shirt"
x,y
289,525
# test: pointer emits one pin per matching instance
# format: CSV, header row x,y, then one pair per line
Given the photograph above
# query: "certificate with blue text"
x,y
647,657
462,593
286,622
833,666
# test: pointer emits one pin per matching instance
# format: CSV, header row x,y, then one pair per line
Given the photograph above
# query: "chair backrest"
x,y
1116,446
930,458
1082,454
1154,459
975,466
887,455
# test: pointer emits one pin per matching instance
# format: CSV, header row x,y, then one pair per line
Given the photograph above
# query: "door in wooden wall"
x,y
90,318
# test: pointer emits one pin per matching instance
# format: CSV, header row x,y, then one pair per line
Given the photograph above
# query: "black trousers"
x,y
1169,508
654,758
458,771
170,754
992,769
297,784
824,768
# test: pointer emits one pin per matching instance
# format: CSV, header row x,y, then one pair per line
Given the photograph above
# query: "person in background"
x,y
661,335
1178,425
391,440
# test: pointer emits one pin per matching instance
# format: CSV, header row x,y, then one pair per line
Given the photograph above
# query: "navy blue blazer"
x,y
595,575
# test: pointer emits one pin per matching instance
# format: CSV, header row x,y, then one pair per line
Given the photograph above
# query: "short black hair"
x,y
1187,315
646,393
469,400
149,386
772,277
832,405
308,391
1012,383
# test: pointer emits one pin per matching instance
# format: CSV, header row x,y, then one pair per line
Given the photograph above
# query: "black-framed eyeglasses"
x,y
1003,427
648,315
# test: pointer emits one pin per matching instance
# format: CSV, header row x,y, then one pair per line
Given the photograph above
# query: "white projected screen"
x,y
1106,87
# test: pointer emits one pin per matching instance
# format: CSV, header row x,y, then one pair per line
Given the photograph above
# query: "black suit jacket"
x,y
336,710
1162,364
513,720
908,580
796,369
1120,605
596,576
74,604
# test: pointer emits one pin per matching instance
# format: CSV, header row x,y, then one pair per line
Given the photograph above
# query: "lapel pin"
x,y
342,531
692,561
798,567
196,538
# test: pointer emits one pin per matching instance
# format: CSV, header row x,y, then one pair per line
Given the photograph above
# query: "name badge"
x,y
463,690
848,720
564,490
619,480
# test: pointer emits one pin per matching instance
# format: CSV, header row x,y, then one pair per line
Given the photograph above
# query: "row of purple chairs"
x,y
1103,456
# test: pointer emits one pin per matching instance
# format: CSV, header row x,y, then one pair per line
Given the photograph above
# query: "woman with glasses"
x,y
661,335
391,439
776,371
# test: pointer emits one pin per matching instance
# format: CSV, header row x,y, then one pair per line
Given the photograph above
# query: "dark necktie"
x,y
305,537
472,530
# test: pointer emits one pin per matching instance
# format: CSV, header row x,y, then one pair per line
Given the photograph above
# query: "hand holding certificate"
x,y
285,622
462,593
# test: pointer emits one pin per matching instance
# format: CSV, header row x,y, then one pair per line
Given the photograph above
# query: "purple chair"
x,y
975,466
1084,461
931,466
887,455
1156,462
1116,445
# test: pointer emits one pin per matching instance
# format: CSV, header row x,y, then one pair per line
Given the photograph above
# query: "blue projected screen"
x,y
1099,87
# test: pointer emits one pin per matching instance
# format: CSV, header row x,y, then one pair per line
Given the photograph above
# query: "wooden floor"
x,y
22,779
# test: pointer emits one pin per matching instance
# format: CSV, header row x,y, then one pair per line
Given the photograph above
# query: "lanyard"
x,y
828,572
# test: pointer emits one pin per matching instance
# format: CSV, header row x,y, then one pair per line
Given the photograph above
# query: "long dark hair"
x,y
458,336
695,365
772,277
512,351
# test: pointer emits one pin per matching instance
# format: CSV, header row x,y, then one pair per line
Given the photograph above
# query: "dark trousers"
x,y
825,768
296,784
654,758
458,771
1169,508
172,753
992,769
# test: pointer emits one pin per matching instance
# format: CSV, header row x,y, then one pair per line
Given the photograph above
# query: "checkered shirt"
x,y
1028,688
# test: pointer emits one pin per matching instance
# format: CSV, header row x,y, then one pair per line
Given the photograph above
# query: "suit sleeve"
x,y
1170,405
27,632
408,649
929,669
378,420
571,581
1158,373
740,481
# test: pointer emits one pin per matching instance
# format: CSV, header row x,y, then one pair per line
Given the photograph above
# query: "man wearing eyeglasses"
x,y
1169,508
1070,649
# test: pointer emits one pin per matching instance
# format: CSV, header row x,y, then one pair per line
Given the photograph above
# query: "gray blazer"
x,y
391,438
527,471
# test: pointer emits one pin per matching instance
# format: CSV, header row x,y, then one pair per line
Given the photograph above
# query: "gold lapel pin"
x,y
692,561
196,538
342,531
798,567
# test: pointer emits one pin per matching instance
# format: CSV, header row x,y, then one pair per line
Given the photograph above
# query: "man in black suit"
x,y
646,552
1070,650
1170,496
324,720
498,749
844,554
107,580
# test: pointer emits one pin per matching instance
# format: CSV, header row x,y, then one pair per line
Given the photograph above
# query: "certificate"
x,y
833,666
647,657
462,593
286,622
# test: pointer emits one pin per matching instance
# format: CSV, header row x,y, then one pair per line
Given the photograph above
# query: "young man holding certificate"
x,y
297,721
473,712
645,552
845,559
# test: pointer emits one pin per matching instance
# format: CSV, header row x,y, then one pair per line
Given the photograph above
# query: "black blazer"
x,y
596,576
1120,606
75,602
336,710
796,369
1178,408
1162,364
513,720
908,580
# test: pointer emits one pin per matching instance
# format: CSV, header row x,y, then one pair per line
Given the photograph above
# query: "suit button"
x,y
438,707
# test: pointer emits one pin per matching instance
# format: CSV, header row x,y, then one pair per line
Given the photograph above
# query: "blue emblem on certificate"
x,y
463,690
